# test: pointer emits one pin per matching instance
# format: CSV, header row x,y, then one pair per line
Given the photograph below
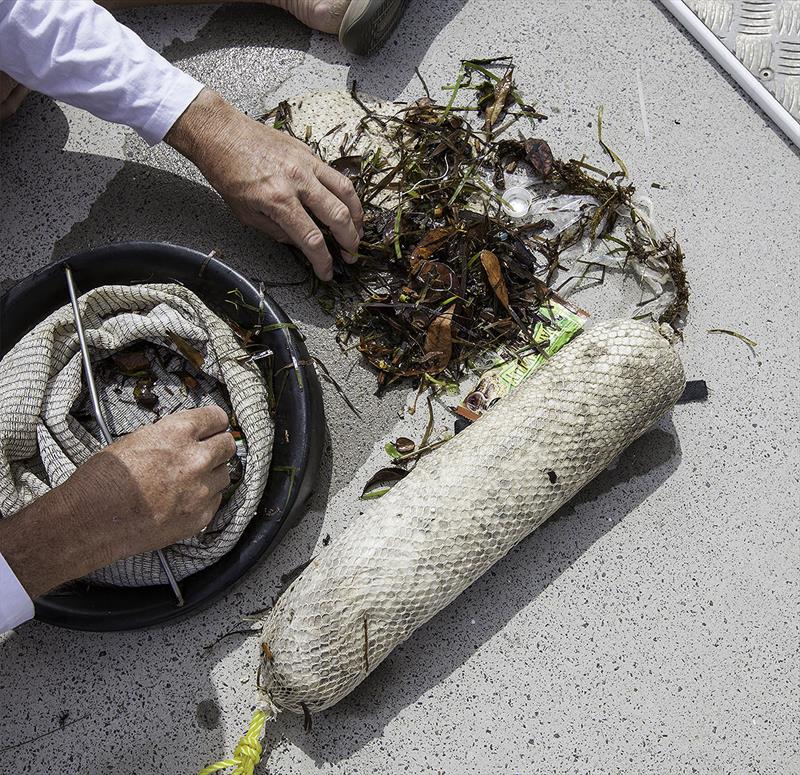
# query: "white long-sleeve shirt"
x,y
77,52
16,605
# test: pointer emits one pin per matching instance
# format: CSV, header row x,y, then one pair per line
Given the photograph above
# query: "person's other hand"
x,y
11,96
147,490
270,180
176,472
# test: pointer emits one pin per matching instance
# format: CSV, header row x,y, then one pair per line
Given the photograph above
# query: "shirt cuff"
x,y
16,605
180,92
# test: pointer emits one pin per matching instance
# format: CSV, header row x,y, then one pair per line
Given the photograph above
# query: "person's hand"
x,y
11,96
270,180
174,474
145,491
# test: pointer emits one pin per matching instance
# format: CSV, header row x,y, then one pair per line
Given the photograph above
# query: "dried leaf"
x,y
502,92
495,274
187,350
439,341
131,362
540,157
189,382
244,336
350,166
434,240
736,334
404,445
423,450
383,478
429,427
435,275
144,395
430,210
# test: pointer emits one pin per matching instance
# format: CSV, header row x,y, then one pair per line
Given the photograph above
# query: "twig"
x,y
45,734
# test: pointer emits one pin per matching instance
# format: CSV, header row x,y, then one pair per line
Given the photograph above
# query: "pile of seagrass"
x,y
444,274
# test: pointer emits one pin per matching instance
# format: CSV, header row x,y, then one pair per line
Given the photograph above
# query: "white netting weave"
x,y
461,509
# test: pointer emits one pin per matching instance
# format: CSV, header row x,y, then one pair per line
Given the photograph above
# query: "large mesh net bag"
x,y
190,357
462,509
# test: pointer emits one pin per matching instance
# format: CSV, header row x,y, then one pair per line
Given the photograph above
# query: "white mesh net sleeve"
x,y
462,509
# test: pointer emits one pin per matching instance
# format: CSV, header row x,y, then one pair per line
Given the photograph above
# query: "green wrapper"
x,y
559,323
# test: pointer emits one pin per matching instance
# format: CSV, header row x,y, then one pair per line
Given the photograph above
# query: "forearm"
x,y
49,542
77,52
200,131
151,488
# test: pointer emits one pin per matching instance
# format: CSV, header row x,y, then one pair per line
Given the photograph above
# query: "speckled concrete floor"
x,y
650,627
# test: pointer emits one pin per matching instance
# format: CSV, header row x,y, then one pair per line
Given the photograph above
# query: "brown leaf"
x,y
244,335
144,395
439,341
404,445
540,157
495,274
423,111
434,274
502,90
189,382
433,240
187,350
130,362
350,166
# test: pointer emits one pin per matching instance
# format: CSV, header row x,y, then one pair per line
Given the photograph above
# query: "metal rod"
x,y
98,412
87,368
173,582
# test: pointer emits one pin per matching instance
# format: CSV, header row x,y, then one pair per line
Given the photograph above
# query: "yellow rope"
x,y
247,753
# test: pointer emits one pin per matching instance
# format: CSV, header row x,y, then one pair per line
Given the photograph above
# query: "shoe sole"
x,y
368,23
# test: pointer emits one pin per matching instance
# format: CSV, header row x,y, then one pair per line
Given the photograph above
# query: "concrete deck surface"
x,y
652,627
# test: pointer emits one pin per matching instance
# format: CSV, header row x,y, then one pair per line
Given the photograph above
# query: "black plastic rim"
x,y
298,417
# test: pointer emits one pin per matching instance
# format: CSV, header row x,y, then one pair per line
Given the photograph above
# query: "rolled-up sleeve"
x,y
76,51
16,605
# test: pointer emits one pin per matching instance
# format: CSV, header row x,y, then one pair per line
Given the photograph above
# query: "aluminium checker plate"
x,y
765,36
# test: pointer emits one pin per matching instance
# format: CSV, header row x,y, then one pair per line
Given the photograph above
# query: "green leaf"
x,y
749,342
617,160
375,494
392,451
381,482
277,326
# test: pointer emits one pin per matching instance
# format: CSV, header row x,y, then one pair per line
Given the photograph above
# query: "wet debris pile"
x,y
446,272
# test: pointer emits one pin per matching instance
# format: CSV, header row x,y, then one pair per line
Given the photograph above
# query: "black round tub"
x,y
298,417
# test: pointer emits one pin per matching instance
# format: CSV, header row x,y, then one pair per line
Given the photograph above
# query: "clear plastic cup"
x,y
517,201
